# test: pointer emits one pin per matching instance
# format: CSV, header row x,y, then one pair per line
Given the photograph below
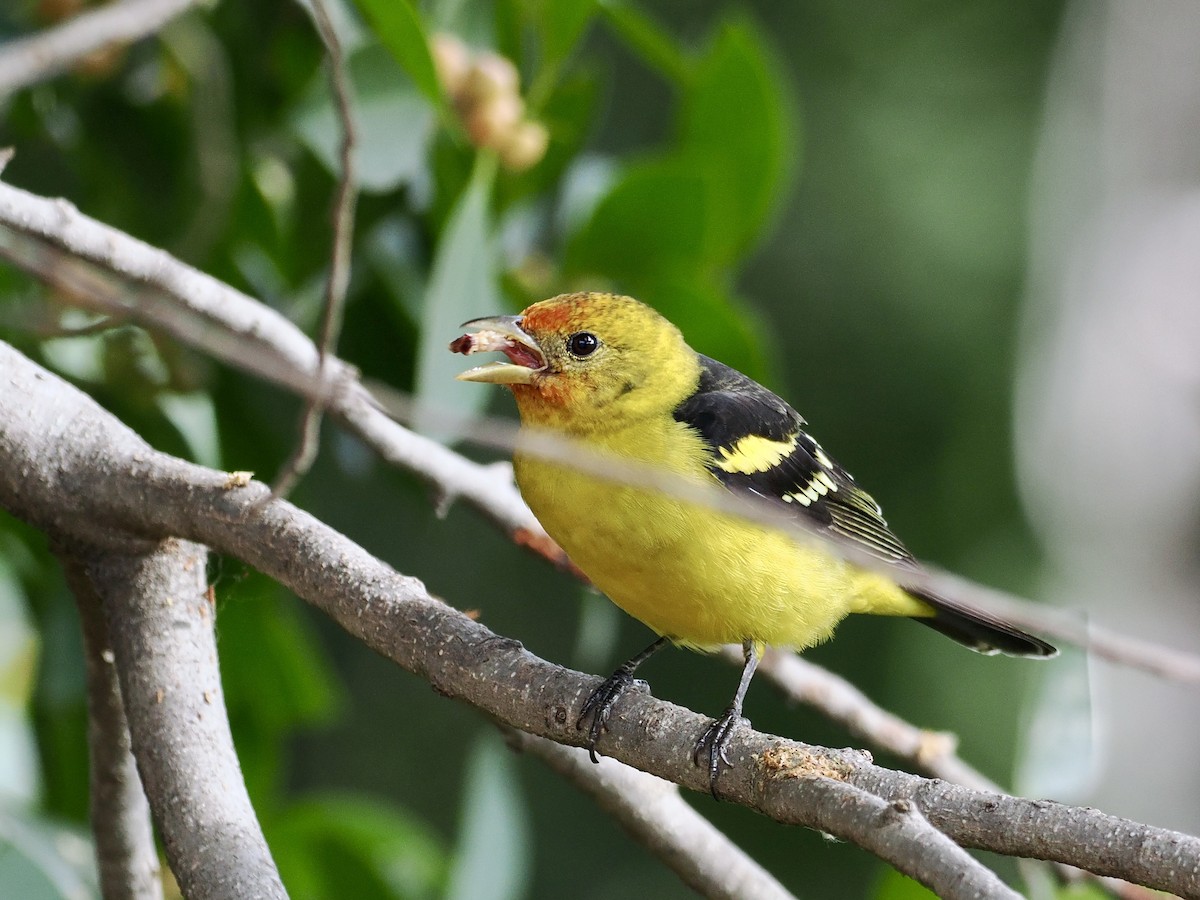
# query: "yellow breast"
x,y
700,577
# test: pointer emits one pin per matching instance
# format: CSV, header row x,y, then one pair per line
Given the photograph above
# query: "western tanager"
x,y
612,373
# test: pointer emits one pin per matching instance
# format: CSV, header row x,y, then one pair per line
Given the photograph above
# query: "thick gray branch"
x,y
69,467
702,856
161,621
125,853
29,60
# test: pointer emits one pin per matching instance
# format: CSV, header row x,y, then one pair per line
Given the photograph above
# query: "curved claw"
x,y
603,698
599,705
714,742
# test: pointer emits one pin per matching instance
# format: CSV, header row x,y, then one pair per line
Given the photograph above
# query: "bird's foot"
x,y
599,705
710,747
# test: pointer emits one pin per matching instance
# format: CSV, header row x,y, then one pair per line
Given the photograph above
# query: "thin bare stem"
x,y
338,280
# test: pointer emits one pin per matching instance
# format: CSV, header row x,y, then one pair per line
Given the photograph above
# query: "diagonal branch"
x,y
653,811
72,469
702,856
96,263
899,829
29,60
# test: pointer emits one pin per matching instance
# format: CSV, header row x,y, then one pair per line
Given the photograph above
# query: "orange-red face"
x,y
576,361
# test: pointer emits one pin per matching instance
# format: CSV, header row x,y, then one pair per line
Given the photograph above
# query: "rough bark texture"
x,y
126,856
161,621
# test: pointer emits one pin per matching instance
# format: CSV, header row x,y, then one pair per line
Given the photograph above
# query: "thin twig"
x,y
29,60
338,280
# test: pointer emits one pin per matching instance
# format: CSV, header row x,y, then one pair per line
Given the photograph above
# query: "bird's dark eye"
x,y
583,343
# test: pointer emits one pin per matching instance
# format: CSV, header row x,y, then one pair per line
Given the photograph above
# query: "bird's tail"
x,y
979,630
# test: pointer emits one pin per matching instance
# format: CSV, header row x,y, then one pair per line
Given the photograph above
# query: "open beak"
x,y
503,334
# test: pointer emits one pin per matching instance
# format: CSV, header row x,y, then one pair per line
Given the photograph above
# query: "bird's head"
x,y
584,362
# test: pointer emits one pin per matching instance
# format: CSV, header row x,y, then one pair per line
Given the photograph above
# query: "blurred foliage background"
x,y
830,196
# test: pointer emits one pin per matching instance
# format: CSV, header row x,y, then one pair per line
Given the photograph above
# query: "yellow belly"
x,y
698,577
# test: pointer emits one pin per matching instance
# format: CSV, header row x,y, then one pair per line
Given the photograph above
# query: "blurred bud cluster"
x,y
485,91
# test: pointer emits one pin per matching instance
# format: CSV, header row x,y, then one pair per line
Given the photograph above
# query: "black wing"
x,y
759,445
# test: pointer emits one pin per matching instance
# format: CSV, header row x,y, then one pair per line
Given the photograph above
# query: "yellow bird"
x,y
612,373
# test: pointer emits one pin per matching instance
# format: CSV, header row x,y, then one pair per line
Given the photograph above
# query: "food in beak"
x,y
525,359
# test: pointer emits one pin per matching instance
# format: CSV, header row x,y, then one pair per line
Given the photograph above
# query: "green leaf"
x,y
493,857
334,845
895,886
60,706
588,181
699,209
195,418
18,641
560,25
395,126
649,40
462,286
275,673
651,221
276,679
597,634
80,357
507,28
41,861
1086,890
399,29
393,249
735,130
